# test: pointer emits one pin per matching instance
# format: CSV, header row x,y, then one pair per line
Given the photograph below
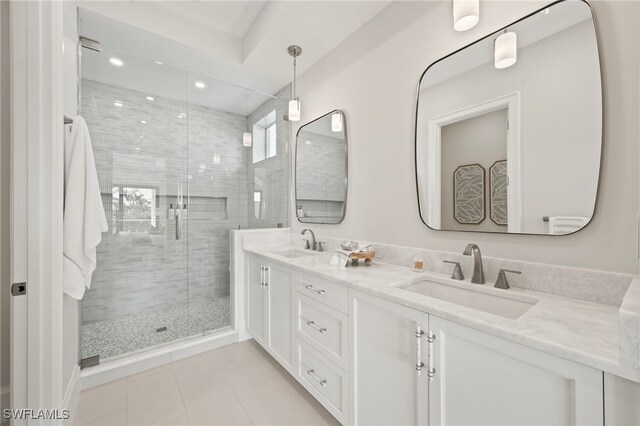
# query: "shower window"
x,y
265,138
137,209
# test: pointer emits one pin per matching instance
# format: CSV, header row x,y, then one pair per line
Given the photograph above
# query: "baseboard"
x,y
72,393
136,363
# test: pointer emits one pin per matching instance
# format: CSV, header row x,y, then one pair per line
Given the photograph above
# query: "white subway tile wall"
x,y
159,159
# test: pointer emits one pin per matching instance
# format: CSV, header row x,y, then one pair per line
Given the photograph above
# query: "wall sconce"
x,y
466,14
505,50
336,122
294,103
247,139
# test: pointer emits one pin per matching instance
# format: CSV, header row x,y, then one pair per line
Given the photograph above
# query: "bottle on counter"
x,y
418,264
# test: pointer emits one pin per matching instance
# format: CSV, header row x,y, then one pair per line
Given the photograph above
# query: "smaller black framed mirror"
x,y
321,169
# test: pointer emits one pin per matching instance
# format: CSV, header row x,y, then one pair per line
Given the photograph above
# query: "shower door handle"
x,y
177,225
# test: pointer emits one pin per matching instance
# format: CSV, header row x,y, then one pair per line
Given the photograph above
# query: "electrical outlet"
x,y
378,250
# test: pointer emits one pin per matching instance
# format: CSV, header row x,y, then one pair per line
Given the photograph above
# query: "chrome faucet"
x,y
478,272
313,245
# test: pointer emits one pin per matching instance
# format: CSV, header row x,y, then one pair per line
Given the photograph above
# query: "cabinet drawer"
x,y
331,294
324,328
325,381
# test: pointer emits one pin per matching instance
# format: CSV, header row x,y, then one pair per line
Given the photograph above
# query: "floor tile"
x,y
118,418
237,384
153,398
191,369
211,401
100,401
180,421
159,376
269,403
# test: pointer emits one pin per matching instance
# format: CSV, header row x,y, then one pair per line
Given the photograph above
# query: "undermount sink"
x,y
508,307
292,254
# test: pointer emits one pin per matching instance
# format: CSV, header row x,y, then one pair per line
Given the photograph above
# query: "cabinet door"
x,y
385,385
482,379
256,300
280,314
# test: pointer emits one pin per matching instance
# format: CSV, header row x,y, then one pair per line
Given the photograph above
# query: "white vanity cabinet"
x,y
486,380
270,308
477,378
372,361
387,389
322,339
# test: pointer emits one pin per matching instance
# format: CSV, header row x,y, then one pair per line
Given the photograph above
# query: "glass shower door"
x,y
139,295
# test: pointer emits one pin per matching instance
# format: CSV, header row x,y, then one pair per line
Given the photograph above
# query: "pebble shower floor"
x,y
112,338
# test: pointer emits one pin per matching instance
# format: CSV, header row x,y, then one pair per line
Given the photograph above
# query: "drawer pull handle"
x,y
320,329
311,372
312,288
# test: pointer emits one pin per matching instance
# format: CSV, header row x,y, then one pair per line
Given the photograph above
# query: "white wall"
x,y
4,205
373,76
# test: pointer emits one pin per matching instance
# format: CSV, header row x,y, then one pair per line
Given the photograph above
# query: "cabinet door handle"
x,y
431,372
312,288
419,364
320,329
265,283
323,382
262,276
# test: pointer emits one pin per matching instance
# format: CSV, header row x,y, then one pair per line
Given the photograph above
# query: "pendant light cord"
x,y
294,77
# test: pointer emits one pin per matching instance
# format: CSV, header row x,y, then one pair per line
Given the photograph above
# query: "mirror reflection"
x,y
509,129
321,169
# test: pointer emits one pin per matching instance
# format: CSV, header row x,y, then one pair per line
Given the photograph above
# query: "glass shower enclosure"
x,y
175,178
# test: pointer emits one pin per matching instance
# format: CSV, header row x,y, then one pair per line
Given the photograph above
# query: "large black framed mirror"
x,y
509,128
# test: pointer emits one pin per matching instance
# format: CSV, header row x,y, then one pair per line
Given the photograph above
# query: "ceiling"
x,y
243,43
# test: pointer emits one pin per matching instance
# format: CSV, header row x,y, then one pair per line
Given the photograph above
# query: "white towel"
x,y
84,217
561,225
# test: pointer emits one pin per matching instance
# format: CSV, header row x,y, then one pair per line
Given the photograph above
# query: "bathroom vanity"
x,y
383,344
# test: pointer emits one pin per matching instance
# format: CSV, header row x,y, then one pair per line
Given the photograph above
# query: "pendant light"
x,y
505,50
247,139
466,14
336,122
294,103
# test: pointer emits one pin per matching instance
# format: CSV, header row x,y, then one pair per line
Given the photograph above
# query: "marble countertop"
x,y
581,331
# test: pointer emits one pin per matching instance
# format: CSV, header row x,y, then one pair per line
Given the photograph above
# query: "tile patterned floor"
x,y
239,384
128,334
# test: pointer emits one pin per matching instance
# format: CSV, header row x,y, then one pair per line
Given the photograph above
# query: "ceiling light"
x,y
200,85
294,103
466,14
118,104
505,50
216,158
143,121
116,61
246,139
150,98
159,63
336,122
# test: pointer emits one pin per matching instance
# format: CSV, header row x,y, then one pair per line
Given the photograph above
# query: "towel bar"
x,y
68,120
